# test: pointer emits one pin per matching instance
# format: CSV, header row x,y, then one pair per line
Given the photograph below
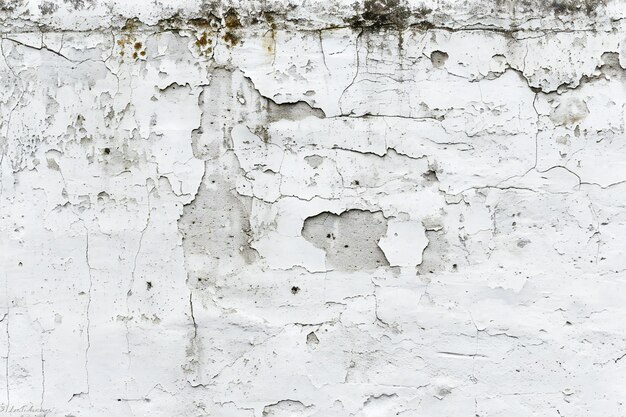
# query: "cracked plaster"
x,y
284,208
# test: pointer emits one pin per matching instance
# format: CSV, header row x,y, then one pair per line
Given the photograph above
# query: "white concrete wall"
x,y
313,208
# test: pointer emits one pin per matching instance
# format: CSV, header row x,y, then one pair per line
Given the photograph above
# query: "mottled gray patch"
x,y
350,239
569,110
314,160
80,4
10,5
292,111
48,7
436,256
215,228
284,408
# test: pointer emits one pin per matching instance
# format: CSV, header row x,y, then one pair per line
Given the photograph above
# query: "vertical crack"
x,y
129,293
7,315
88,309
193,318
43,380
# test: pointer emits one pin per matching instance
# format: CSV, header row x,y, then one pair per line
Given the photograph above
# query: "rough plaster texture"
x,y
312,208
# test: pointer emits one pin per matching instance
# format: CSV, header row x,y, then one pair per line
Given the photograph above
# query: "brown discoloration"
x,y
231,39
137,45
201,23
202,40
231,23
131,25
231,20
271,21
204,43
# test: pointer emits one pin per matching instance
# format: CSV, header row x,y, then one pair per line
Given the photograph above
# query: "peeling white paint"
x,y
286,208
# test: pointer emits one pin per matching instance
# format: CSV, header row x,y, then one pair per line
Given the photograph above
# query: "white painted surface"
x,y
319,210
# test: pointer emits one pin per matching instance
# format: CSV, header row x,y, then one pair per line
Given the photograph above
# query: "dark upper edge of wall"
x,y
503,15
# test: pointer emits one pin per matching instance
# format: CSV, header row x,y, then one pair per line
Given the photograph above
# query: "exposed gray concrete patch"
x,y
349,239
215,229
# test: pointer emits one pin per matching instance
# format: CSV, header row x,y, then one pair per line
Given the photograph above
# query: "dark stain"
x,y
137,45
231,39
269,18
295,290
10,5
135,55
106,151
148,285
423,25
575,6
430,176
231,20
231,23
131,25
203,40
202,23
377,13
438,59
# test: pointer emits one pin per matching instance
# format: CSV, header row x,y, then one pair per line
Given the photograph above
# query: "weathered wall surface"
x,y
313,208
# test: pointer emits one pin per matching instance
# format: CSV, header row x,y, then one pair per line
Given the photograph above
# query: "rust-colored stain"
x,y
231,39
231,23
202,40
201,23
137,45
231,20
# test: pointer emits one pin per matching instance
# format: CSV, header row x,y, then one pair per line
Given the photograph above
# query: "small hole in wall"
x,y
346,246
148,284
106,151
454,266
438,59
199,279
356,182
20,264
295,290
